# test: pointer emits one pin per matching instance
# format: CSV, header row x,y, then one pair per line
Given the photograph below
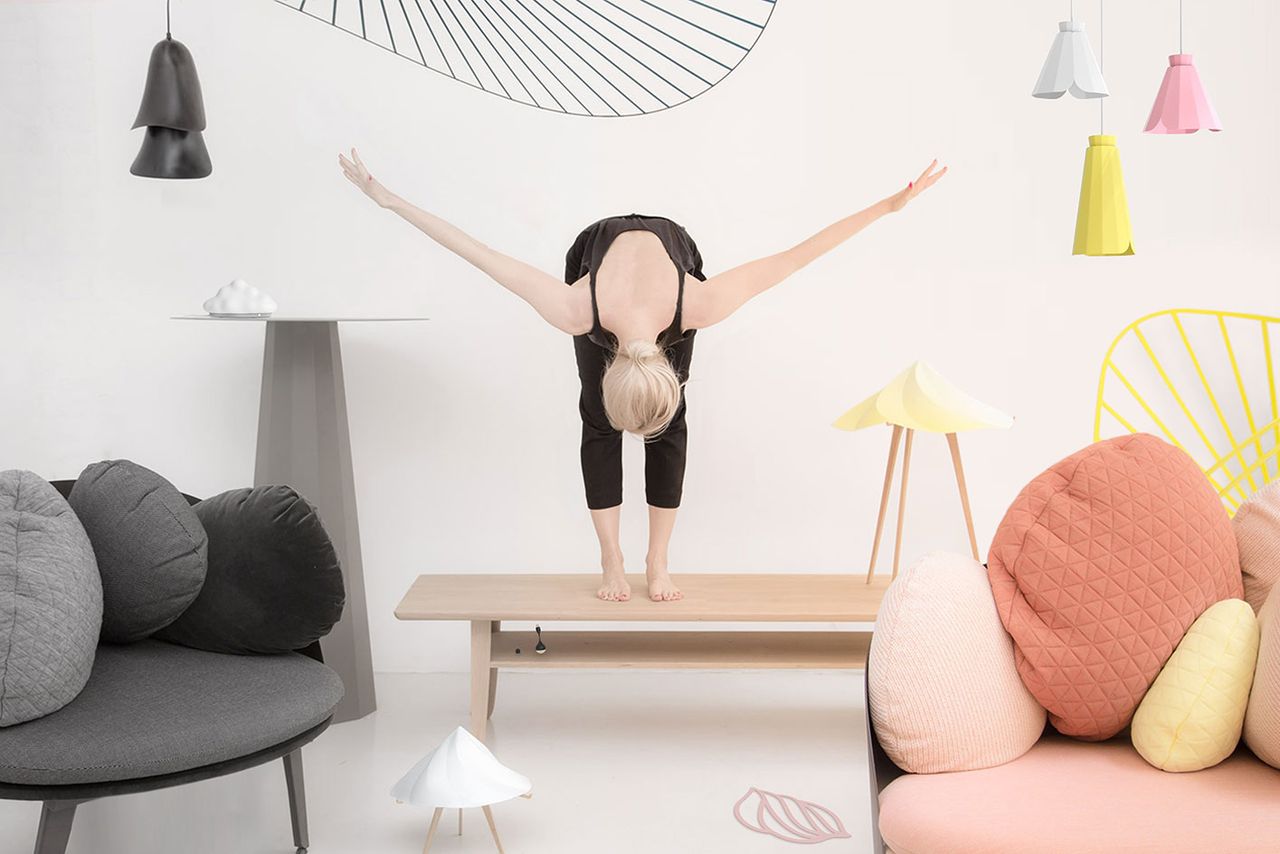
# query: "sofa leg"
x,y
55,826
297,799
880,769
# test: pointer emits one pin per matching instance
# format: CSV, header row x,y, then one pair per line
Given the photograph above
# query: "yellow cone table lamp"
x,y
920,399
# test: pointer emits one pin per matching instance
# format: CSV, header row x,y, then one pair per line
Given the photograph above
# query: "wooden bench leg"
x,y
481,665
496,626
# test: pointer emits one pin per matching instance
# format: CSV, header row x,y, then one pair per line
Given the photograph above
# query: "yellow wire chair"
x,y
1205,381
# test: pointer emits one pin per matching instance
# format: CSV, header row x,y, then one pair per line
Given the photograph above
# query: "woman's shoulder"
x,y
698,305
579,309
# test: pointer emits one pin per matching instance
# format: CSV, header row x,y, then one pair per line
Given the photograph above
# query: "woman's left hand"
x,y
927,179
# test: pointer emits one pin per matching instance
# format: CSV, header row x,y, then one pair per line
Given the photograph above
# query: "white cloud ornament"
x,y
240,299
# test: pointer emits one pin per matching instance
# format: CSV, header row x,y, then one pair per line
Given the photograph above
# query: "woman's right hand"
x,y
927,179
356,172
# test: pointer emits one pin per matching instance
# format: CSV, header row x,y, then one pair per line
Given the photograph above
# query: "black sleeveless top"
x,y
588,251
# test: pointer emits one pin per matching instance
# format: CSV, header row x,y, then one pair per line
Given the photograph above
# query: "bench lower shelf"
x,y
493,650
707,650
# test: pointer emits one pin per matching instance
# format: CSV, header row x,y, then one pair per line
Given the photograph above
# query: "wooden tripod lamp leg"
x,y
902,501
884,499
954,442
493,828
431,831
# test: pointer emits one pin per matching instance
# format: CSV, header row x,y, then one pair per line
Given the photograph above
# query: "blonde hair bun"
x,y
641,389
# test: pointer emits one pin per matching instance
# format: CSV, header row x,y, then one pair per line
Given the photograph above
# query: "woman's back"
x,y
637,287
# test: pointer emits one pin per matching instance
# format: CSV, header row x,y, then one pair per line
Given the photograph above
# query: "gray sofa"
x,y
155,715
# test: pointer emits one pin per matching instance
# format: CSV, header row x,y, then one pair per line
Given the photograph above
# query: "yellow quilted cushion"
x,y
1191,717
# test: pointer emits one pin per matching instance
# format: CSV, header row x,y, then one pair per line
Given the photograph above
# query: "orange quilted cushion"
x,y
1099,568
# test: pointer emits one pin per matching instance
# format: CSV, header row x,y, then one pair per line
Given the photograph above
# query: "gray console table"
x,y
304,442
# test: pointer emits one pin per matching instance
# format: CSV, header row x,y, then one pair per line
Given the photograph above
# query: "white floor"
x,y
621,762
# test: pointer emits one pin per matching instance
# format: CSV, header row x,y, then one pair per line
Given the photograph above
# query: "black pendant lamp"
x,y
173,113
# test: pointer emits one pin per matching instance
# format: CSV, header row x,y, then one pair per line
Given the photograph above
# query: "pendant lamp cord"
x,y
1102,54
168,27
1179,26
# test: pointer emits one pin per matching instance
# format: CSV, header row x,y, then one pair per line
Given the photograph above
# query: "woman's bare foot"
x,y
615,587
661,587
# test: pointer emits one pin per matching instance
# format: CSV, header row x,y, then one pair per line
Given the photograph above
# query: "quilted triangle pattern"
x,y
50,600
1098,569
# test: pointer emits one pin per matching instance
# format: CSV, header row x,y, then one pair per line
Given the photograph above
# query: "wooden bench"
x,y
486,600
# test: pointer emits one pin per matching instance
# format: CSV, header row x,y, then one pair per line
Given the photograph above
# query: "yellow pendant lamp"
x,y
1102,219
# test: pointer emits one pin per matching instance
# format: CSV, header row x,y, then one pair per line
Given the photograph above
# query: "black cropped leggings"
x,y
664,455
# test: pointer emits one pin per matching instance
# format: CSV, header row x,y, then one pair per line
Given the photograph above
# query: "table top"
x,y
714,597
284,318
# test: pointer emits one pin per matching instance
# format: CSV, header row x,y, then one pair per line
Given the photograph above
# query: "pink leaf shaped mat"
x,y
787,818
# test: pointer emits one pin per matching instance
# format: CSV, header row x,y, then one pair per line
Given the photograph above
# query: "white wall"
x,y
465,429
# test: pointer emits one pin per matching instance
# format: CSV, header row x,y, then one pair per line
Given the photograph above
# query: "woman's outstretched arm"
x,y
559,305
723,294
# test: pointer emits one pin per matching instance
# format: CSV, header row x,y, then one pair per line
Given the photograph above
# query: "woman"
x,y
633,315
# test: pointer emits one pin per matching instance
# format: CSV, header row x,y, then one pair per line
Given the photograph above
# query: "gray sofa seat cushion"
x,y
152,550
155,708
50,600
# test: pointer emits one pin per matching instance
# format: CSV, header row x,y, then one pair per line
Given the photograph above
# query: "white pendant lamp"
x,y
1071,65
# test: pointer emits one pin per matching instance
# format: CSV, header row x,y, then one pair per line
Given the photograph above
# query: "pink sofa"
x,y
1073,797
1098,569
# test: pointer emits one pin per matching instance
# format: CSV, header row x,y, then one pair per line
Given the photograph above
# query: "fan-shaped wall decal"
x,y
581,57
1205,381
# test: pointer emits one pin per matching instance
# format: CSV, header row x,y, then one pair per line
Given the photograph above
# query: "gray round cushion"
x,y
155,708
152,550
50,600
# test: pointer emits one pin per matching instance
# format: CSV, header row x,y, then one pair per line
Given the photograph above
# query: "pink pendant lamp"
x,y
1181,104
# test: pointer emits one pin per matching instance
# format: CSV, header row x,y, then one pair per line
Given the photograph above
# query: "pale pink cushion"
x,y
1098,569
1069,797
1262,717
1257,527
945,693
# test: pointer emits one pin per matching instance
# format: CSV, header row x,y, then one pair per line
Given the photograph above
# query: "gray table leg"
x,y
304,442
